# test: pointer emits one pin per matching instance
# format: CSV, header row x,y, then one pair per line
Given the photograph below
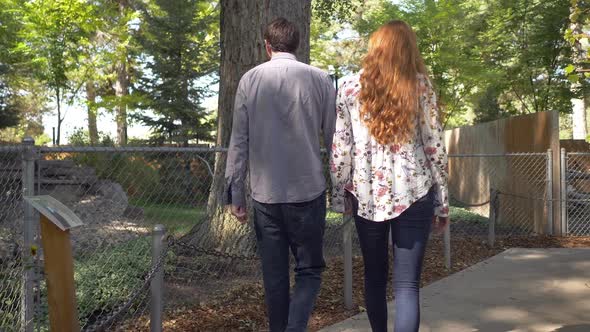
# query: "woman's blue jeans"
x,y
409,234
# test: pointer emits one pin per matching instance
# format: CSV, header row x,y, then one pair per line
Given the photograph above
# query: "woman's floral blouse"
x,y
387,179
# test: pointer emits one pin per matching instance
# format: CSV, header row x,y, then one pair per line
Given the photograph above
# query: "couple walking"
x,y
387,163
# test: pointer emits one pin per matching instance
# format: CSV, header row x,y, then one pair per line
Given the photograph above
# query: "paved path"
x,y
524,290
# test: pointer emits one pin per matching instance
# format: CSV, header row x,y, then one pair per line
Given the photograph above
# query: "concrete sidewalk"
x,y
525,290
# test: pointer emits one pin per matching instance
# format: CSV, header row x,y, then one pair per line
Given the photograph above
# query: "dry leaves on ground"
x,y
242,309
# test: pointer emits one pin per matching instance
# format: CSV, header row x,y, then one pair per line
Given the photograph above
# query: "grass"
x,y
458,214
178,219
333,217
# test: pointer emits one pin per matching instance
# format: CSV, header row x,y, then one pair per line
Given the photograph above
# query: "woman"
x,y
389,168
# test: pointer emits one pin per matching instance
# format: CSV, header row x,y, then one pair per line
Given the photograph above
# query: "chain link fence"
x,y
123,193
577,177
512,189
11,260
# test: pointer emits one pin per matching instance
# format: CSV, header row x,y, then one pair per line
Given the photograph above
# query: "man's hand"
x,y
240,213
439,224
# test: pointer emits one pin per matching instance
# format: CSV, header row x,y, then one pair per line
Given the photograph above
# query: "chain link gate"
x,y
576,193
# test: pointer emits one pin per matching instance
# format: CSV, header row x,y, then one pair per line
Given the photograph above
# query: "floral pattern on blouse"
x,y
387,179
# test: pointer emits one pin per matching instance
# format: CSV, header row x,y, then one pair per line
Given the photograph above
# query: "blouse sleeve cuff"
x,y
441,211
441,205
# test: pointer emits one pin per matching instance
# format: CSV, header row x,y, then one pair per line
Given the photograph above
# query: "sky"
x,y
76,117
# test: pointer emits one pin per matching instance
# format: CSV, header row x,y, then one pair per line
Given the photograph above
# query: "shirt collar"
x,y
284,55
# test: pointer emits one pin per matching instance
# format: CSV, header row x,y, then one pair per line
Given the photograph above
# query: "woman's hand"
x,y
439,224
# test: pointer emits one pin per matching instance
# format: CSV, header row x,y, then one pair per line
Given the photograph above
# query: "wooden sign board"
x,y
54,210
56,221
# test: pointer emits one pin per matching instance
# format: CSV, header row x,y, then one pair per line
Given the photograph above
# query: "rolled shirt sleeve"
x,y
329,115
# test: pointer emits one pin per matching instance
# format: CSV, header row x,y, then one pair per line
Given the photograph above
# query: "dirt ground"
x,y
242,309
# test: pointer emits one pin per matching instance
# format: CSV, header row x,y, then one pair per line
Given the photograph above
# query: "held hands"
x,y
348,204
240,213
439,224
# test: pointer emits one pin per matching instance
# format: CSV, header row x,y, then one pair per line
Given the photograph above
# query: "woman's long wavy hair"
x,y
389,83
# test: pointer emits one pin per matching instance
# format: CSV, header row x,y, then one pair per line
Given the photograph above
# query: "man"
x,y
282,109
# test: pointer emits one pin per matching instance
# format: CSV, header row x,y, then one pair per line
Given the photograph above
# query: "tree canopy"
x,y
155,62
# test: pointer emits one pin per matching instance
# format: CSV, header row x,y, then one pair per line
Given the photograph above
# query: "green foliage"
x,y
13,68
328,10
54,36
178,219
457,214
8,114
108,277
488,59
179,41
153,178
330,51
10,304
576,33
525,41
80,137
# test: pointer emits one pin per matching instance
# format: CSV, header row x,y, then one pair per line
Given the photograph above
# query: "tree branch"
x,y
522,102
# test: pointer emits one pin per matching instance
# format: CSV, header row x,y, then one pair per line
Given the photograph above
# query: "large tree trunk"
x,y
579,118
122,88
242,47
91,100
578,102
121,91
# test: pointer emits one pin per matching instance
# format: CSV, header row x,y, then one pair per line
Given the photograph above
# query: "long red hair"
x,y
389,83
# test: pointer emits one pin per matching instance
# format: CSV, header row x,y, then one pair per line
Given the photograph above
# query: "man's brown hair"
x,y
282,35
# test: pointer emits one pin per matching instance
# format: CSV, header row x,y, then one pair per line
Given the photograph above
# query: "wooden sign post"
x,y
56,221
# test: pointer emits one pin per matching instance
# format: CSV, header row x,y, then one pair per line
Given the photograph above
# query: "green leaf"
x,y
570,69
574,78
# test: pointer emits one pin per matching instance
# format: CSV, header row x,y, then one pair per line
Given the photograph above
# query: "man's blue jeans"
x,y
298,227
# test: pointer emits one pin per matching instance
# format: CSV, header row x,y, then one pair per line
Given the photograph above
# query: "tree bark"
x,y
91,100
242,48
59,118
122,89
578,103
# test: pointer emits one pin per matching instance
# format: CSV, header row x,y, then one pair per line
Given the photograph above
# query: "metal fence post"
x,y
447,245
29,235
492,219
549,191
563,191
347,243
157,282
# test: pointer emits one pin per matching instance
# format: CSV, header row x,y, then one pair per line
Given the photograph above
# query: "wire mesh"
x,y
201,269
578,194
520,181
11,242
121,193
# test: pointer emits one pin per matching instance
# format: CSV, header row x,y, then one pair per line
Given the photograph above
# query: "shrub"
x,y
458,214
108,278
